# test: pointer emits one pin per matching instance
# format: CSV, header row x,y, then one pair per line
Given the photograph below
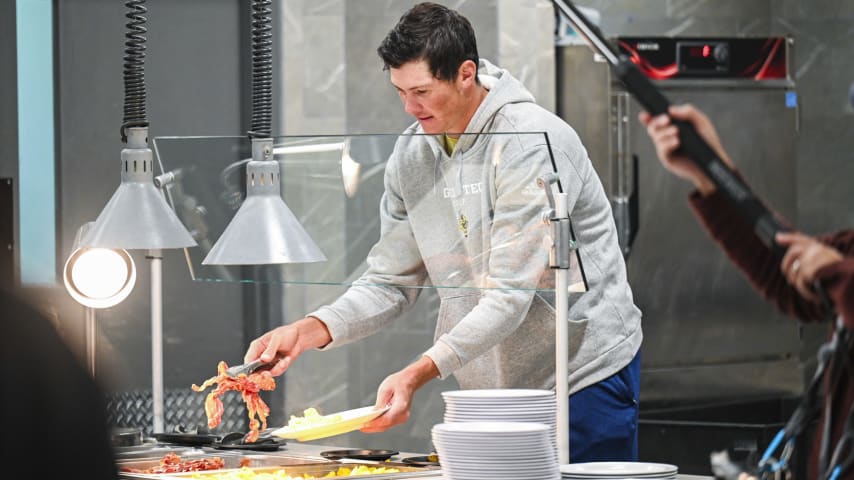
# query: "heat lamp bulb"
x,y
99,273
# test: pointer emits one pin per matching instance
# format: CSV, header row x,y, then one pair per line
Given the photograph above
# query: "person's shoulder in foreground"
x,y
50,404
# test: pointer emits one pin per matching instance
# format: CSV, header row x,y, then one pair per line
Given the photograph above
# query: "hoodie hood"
x,y
503,88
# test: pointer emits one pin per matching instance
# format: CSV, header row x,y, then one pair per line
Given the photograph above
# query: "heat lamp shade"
x,y
138,217
264,231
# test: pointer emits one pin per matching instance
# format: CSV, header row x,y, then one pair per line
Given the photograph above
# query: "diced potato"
x,y
248,474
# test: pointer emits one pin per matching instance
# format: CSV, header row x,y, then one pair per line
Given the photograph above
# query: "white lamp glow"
x,y
99,277
99,273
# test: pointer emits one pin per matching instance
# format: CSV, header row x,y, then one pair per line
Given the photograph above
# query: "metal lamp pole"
x,y
89,316
155,256
559,260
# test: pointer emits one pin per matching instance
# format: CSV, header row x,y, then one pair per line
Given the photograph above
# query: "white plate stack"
x,y
495,451
503,405
617,470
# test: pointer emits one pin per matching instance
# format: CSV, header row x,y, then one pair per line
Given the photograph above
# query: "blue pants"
x,y
603,418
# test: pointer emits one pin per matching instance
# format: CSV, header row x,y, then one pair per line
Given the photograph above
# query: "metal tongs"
x,y
245,368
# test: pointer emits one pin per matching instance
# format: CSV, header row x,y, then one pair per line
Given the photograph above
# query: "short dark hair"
x,y
434,33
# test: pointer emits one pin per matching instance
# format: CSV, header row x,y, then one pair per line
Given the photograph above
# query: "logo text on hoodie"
x,y
466,189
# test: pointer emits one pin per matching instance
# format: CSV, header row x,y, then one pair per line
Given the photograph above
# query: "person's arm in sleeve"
x,y
743,247
809,260
838,279
720,217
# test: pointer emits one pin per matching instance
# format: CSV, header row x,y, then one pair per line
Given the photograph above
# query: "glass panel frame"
x,y
467,210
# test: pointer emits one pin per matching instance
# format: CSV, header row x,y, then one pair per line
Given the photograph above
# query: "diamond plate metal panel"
x,y
181,407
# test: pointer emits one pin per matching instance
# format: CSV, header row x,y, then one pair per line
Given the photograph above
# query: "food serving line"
x,y
294,459
271,456
486,434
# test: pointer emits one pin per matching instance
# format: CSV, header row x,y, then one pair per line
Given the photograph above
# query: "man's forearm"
x,y
422,371
313,333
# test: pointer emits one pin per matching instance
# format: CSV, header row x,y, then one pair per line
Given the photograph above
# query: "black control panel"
x,y
662,58
702,57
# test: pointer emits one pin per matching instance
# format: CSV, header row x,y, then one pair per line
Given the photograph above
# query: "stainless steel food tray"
x,y
231,459
318,471
266,463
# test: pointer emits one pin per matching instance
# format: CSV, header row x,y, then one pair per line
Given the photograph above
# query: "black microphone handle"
x,y
764,223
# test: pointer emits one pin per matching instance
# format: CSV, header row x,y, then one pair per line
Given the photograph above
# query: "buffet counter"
x,y
308,449
170,461
294,458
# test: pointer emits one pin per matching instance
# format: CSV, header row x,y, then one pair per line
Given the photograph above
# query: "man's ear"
x,y
467,73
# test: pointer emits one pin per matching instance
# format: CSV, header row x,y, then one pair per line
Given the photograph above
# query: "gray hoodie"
x,y
472,221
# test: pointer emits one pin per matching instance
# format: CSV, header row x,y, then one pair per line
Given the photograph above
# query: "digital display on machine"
x,y
665,58
697,51
696,57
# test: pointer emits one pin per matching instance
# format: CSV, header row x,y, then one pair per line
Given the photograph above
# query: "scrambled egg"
x,y
248,474
312,418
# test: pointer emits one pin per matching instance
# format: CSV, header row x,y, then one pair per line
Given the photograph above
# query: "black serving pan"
x,y
423,461
192,439
359,454
234,441
192,436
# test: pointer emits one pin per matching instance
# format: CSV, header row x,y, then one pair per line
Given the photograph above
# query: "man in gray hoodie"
x,y
462,209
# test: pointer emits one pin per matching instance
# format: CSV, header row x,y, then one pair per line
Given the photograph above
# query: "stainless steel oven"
x,y
709,338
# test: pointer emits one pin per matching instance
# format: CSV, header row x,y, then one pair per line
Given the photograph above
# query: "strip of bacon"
x,y
249,387
172,463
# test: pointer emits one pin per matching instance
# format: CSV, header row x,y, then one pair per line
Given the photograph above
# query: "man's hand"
x,y
397,390
665,137
804,257
284,344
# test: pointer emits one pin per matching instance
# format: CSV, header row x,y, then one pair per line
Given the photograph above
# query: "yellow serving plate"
x,y
348,421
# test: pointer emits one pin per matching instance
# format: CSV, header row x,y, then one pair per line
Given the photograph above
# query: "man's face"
x,y
438,105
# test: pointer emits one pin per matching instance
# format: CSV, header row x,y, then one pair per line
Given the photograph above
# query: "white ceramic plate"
x,y
350,420
491,428
497,393
616,469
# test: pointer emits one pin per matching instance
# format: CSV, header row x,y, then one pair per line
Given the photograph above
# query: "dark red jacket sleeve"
x,y
839,281
727,227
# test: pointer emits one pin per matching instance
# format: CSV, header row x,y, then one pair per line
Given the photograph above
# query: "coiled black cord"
x,y
262,69
134,76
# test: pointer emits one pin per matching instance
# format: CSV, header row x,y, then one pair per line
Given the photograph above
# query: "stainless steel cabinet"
x,y
707,334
